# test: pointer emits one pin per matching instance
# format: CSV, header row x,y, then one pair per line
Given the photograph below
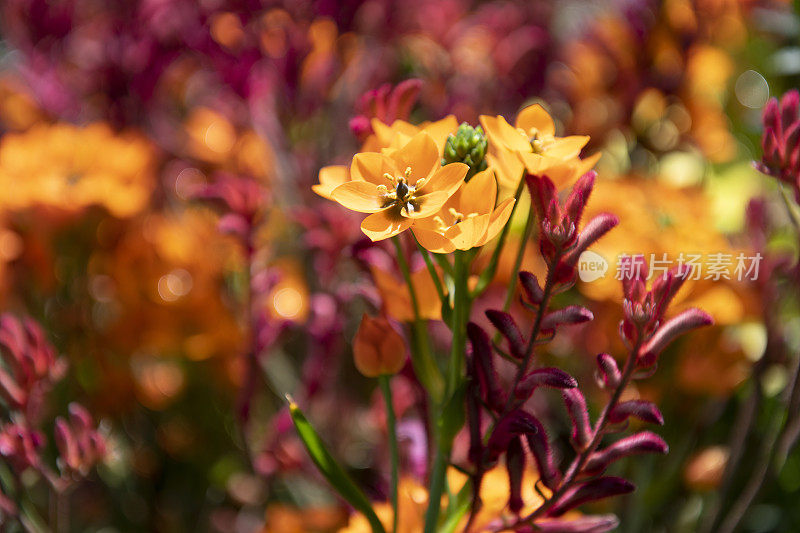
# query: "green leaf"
x,y
330,468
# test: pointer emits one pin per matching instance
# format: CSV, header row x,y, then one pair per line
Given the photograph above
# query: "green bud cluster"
x,y
467,145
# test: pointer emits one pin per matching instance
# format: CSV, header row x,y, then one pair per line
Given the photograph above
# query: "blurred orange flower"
x,y
72,168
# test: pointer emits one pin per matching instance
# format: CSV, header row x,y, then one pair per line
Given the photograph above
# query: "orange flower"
x,y
73,167
400,132
532,140
468,219
378,349
385,139
399,188
397,301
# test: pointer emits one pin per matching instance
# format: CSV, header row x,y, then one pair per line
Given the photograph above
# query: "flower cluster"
x,y
511,424
780,142
31,368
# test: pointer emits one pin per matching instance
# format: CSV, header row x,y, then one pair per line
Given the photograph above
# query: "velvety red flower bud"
x,y
530,284
669,331
644,442
79,444
609,371
579,415
30,364
585,524
507,327
568,316
591,233
377,348
20,445
543,377
641,409
595,489
482,367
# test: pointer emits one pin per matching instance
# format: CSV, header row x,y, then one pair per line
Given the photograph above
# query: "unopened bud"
x,y
377,348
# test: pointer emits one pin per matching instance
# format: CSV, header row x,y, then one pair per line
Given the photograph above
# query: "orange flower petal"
x,y
433,241
447,179
467,233
371,166
428,205
498,219
419,154
567,147
440,130
329,178
508,168
385,224
504,135
360,196
534,116
479,194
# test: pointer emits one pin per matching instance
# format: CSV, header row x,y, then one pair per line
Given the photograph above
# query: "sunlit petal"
x,y
433,241
497,221
385,224
505,135
360,196
535,117
371,167
479,193
331,177
419,154
447,179
427,205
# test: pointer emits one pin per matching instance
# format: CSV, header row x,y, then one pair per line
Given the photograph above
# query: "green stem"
x,y
437,487
455,376
491,269
421,356
512,283
431,270
461,311
790,208
391,426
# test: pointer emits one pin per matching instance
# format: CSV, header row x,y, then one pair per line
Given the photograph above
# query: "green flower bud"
x,y
467,145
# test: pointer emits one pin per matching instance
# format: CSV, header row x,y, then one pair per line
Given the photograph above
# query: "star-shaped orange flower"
x,y
399,187
531,144
468,219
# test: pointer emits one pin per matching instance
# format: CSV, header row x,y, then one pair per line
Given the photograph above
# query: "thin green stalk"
x,y
436,488
455,375
431,269
790,208
421,356
491,268
391,426
461,311
512,284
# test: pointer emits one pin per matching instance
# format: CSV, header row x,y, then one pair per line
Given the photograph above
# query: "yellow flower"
x,y
468,219
399,187
73,167
400,132
532,140
386,139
